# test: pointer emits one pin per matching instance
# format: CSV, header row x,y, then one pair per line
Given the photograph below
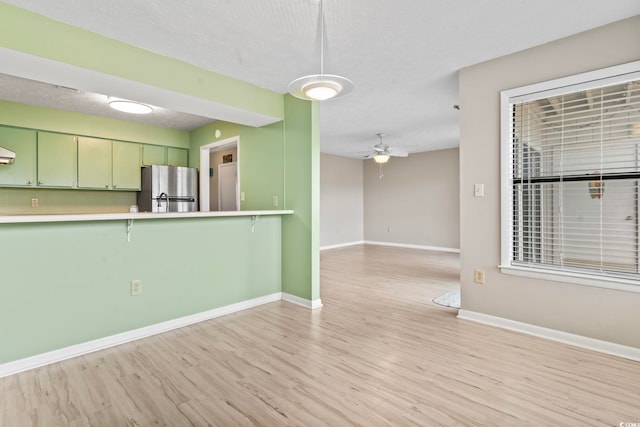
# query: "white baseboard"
x,y
606,347
404,245
311,304
341,245
39,360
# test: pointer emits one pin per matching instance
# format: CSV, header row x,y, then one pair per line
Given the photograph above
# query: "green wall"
x,y
68,283
301,231
206,135
262,166
261,160
18,201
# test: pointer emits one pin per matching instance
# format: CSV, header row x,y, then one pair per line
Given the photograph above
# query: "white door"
x,y
228,186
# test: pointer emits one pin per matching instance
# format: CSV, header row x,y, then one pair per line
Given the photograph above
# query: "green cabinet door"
x,y
177,156
22,172
94,163
153,155
126,166
57,160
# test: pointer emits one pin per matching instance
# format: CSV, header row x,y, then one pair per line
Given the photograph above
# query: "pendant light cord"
x,y
321,39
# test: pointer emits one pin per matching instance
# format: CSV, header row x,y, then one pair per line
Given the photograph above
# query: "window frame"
x,y
583,81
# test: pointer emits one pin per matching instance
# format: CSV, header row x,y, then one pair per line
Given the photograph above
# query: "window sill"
x,y
613,283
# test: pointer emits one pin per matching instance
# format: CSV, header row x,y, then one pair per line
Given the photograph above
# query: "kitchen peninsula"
x,y
71,276
67,286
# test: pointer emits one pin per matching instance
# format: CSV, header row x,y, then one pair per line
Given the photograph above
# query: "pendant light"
x,y
320,87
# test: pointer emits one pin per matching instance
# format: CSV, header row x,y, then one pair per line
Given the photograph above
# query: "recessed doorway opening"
x,y
213,183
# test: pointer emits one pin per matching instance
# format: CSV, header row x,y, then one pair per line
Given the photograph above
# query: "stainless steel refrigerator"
x,y
168,189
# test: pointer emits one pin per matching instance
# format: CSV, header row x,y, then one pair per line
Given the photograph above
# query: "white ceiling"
x,y
402,55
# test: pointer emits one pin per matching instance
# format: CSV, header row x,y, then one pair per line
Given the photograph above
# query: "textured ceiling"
x,y
21,90
403,56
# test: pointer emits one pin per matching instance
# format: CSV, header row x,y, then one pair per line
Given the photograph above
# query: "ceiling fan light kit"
x,y
381,158
382,152
320,87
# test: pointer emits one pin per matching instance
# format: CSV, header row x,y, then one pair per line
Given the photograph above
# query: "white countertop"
x,y
11,219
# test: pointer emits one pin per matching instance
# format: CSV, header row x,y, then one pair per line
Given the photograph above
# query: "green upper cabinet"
x,y
108,165
126,166
159,155
177,156
22,172
94,163
57,160
153,155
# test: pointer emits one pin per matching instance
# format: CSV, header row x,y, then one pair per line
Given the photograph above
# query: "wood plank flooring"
x,y
378,353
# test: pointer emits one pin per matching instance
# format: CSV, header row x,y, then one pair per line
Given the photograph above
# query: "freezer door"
x,y
182,182
161,177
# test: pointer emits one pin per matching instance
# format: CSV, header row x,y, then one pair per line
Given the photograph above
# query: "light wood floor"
x,y
378,353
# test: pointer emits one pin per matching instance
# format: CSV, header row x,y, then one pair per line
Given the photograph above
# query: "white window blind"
x,y
574,170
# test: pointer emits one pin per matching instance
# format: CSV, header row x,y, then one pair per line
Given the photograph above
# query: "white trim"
x,y
341,245
205,156
585,80
618,284
311,304
59,355
32,362
606,347
405,245
506,194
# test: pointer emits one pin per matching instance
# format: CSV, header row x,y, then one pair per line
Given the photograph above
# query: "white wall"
x,y
341,197
416,202
603,314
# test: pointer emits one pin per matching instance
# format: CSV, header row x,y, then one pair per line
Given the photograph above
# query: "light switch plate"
x,y
478,190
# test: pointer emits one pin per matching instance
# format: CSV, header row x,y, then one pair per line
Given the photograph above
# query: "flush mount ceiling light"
x,y
131,107
320,87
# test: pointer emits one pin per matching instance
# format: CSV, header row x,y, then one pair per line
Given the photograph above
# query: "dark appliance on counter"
x,y
168,189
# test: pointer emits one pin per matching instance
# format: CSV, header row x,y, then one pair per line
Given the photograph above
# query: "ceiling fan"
x,y
382,152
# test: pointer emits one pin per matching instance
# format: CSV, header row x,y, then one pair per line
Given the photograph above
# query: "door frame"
x,y
205,154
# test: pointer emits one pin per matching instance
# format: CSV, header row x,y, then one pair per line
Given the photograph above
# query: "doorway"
x,y
228,186
211,157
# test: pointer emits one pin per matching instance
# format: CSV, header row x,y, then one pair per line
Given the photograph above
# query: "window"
x,y
570,175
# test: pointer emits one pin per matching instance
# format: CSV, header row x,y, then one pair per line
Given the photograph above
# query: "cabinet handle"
x,y
106,186
40,182
114,185
29,182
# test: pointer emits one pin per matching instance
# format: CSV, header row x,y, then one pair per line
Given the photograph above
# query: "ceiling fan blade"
x,y
397,152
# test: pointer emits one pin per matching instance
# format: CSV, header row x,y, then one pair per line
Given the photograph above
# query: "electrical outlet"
x,y
242,196
35,202
136,287
275,201
478,276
